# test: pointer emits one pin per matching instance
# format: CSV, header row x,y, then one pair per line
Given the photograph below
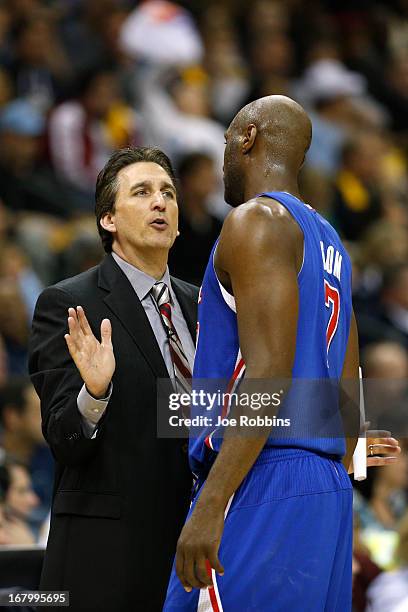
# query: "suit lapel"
x,y
187,304
124,303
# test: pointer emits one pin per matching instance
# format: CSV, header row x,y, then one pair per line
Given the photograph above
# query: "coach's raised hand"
x,y
95,360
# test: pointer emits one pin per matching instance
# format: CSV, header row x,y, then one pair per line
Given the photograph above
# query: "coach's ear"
x,y
108,222
249,138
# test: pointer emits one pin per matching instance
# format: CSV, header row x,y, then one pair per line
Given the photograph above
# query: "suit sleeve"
x,y
57,380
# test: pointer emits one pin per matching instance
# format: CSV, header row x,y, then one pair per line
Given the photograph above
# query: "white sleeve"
x,y
92,409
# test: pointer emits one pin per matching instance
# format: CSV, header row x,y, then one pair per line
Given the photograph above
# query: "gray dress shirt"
x,y
93,409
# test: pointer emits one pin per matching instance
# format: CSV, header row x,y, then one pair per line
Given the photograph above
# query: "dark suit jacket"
x,y
119,499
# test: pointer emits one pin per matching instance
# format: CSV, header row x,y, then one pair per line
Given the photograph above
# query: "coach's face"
x,y
145,218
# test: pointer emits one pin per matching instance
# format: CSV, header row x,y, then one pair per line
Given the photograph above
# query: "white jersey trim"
x,y
301,228
205,601
228,298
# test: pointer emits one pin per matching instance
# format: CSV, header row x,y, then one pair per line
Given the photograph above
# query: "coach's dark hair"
x,y
107,185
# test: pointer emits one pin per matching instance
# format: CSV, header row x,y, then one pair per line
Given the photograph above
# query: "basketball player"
x,y
275,304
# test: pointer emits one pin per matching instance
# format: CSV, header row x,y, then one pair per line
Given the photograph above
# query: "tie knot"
x,y
161,294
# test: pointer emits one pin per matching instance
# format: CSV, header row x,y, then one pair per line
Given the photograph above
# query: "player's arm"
x,y
256,260
350,394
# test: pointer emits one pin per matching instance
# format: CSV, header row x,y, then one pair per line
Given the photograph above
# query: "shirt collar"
x,y
141,282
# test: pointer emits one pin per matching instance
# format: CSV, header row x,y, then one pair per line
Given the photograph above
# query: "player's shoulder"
x,y
261,215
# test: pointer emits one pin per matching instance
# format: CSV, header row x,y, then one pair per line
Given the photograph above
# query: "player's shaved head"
x,y
281,122
270,135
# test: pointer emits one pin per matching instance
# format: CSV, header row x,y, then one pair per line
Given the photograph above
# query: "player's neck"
x,y
277,180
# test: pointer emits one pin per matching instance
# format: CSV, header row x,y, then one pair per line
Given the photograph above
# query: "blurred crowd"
x,y
81,78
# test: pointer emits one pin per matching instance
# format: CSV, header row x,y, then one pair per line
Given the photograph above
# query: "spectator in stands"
x,y
14,325
390,589
6,89
82,252
112,53
23,10
22,437
364,572
83,132
40,70
271,52
26,182
268,17
198,228
22,251
5,26
176,114
398,81
162,33
389,499
225,63
4,536
88,32
390,87
20,502
385,365
337,99
357,198
177,117
4,370
387,360
4,485
6,222
19,290
384,245
363,568
16,267
381,508
395,301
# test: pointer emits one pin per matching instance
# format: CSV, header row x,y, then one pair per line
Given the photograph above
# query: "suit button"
x,y
73,436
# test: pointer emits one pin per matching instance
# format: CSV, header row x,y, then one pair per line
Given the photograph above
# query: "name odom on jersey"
x,y
332,260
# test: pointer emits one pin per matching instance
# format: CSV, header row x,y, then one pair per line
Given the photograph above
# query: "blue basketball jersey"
x,y
325,307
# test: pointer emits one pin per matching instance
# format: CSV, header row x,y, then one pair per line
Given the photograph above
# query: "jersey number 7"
x,y
332,300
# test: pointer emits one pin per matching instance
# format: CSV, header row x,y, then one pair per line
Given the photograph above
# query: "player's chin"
x,y
231,199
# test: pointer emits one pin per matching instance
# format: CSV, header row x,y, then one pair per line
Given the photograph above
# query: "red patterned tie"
x,y
182,372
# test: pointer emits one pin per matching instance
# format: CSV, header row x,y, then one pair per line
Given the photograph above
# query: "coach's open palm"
x,y
95,360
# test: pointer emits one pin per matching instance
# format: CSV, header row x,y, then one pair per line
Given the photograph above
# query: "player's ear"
x,y
108,222
249,138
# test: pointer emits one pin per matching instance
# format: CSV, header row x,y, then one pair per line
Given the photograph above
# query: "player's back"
x,y
324,295
324,283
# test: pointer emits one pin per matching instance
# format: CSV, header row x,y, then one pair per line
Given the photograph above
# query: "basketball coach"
x,y
99,342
